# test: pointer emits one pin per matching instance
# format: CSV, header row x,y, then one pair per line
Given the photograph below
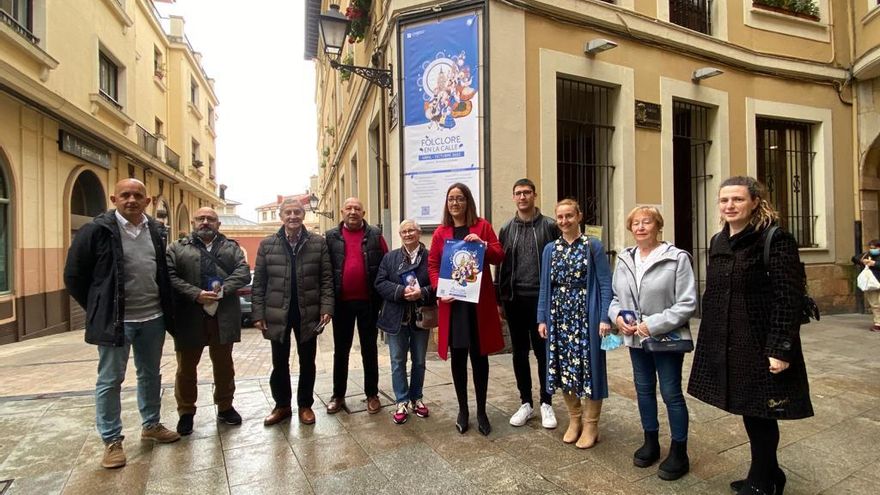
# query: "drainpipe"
x,y
857,159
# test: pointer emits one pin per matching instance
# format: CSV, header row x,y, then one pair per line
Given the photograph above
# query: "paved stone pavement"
x,y
48,442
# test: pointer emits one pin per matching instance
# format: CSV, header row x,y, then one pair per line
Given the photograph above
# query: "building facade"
x,y
623,103
267,214
91,91
247,233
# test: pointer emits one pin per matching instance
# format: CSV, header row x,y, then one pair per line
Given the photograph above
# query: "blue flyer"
x,y
461,270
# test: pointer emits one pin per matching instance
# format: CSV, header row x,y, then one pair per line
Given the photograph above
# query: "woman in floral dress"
x,y
573,317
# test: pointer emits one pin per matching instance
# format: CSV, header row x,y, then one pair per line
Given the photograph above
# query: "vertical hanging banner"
x,y
441,113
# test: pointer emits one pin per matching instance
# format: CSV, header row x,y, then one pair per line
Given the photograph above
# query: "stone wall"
x,y
833,287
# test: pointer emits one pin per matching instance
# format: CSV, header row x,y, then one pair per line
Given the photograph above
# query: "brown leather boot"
x,y
278,415
590,434
574,415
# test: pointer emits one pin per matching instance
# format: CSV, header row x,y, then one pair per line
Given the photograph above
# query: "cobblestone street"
x,y
48,442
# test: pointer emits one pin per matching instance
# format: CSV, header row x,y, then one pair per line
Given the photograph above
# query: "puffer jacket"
x,y
184,267
373,248
271,288
668,295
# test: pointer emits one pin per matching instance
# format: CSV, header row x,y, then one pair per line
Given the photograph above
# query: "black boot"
x,y
649,452
676,463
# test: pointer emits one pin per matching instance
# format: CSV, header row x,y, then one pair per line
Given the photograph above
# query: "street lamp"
x,y
333,27
313,206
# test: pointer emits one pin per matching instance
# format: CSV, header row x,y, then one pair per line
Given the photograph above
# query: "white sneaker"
x,y
523,414
548,417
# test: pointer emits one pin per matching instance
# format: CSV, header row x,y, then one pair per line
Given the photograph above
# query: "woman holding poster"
x,y
467,328
573,317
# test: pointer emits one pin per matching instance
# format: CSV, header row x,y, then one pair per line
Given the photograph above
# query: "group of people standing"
x,y
553,284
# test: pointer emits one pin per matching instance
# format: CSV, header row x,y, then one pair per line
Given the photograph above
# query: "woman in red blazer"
x,y
468,328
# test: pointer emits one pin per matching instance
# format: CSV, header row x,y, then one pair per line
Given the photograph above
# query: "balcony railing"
x,y
147,141
18,28
692,14
172,159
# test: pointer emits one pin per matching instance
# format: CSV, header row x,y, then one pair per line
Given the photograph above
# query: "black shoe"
x,y
483,424
229,416
461,424
749,489
778,483
185,424
649,452
676,463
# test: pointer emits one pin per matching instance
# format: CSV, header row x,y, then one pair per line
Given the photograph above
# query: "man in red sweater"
x,y
356,250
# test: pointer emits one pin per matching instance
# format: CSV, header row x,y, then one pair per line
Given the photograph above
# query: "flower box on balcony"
x,y
804,9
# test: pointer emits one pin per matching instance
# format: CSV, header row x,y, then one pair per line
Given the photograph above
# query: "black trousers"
x,y
764,440
279,381
480,369
345,315
522,315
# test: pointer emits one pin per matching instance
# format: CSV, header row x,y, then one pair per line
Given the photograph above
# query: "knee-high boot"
x,y
574,414
590,433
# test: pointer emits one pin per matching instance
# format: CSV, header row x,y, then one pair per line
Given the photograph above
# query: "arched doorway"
x,y
87,200
183,222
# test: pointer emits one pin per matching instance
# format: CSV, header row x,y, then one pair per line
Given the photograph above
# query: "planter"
x,y
785,11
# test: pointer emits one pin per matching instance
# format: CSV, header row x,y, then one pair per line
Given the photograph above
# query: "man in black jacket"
x,y
523,239
116,271
356,250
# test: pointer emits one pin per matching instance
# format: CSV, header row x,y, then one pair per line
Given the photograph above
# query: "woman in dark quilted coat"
x,y
748,358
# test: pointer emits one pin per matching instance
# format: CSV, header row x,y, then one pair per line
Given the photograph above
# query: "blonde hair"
x,y
650,211
569,202
763,215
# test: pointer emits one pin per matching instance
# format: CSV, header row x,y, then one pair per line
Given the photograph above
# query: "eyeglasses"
x,y
205,219
409,232
527,192
644,221
456,200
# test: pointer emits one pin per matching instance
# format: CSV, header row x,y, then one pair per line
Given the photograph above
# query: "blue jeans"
x,y
147,339
647,366
414,340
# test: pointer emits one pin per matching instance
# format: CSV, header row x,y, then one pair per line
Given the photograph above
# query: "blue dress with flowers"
x,y
568,338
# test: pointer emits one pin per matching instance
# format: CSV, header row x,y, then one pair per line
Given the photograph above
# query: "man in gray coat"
x,y
292,297
206,270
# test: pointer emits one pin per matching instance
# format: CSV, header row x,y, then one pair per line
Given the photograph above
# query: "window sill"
x,y
210,131
871,15
120,14
194,110
160,83
787,24
100,104
45,61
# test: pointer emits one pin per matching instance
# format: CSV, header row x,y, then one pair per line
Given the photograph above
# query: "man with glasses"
x,y
206,270
356,250
523,239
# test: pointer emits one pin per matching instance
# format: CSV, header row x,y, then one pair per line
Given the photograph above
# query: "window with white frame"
x,y
785,166
195,151
194,92
108,78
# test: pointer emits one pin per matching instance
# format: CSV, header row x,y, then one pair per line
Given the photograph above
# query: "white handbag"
x,y
867,281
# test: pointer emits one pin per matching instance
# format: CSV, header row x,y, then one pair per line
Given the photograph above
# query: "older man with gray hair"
x,y
292,293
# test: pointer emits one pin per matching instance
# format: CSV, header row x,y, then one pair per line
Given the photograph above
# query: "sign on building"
x,y
441,112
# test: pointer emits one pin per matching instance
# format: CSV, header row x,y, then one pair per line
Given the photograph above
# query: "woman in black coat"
x,y
748,358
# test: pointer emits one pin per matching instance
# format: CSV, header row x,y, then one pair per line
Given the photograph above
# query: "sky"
x,y
266,127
